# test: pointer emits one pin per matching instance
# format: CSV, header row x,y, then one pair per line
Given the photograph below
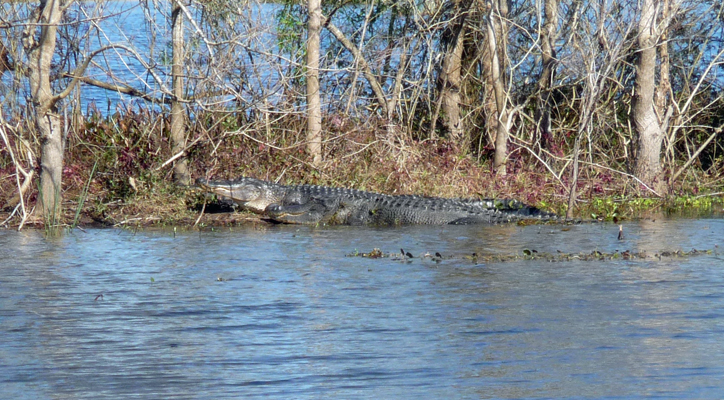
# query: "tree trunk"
x,y
5,63
314,106
52,146
645,121
664,86
178,133
496,31
574,179
547,37
450,80
664,109
40,54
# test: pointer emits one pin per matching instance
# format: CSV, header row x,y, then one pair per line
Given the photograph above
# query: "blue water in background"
x,y
147,30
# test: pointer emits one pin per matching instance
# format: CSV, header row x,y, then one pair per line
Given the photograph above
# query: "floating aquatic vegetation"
x,y
532,254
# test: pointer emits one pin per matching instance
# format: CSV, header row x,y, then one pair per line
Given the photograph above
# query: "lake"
x,y
284,312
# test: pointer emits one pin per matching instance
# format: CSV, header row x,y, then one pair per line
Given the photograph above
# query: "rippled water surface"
x,y
281,312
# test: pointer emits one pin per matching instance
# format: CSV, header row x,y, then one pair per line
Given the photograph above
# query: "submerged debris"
x,y
530,254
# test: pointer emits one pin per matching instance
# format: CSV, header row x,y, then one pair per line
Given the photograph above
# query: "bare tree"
x,y
548,37
450,76
600,46
39,39
661,95
496,33
646,123
362,62
40,49
178,116
387,102
314,106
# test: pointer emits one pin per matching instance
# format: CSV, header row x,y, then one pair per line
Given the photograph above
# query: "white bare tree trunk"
x,y
496,31
40,54
178,133
645,121
314,106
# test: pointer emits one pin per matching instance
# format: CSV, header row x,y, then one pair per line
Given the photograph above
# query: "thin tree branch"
x,y
77,74
18,170
121,89
366,69
698,151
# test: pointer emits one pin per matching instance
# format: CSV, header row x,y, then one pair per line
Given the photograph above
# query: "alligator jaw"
x,y
220,188
247,193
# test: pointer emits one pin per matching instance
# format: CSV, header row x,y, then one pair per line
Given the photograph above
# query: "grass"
x,y
83,196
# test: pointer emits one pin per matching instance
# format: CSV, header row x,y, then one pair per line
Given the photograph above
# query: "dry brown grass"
x,y
130,188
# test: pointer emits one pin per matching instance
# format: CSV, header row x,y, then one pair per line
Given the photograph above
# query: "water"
x,y
280,312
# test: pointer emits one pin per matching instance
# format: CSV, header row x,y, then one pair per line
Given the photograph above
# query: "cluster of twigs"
x,y
24,166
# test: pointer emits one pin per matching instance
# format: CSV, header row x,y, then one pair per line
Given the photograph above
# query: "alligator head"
x,y
252,194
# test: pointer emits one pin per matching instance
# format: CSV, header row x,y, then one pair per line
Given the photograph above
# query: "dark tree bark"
x,y
450,77
547,37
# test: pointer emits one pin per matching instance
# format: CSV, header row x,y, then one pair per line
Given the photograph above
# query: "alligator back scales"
x,y
313,204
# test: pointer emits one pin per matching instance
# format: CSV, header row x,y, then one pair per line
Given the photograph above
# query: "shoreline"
x,y
216,215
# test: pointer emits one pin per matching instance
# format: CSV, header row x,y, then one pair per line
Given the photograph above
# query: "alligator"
x,y
312,204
